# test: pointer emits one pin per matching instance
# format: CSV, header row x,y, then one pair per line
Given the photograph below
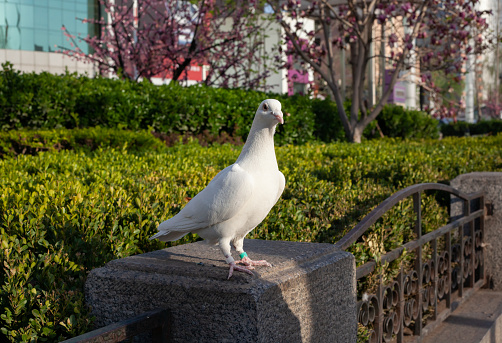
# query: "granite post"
x,y
491,184
308,295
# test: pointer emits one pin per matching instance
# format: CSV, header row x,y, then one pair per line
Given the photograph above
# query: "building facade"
x,y
31,33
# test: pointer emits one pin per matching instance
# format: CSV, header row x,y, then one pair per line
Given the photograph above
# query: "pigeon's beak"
x,y
279,117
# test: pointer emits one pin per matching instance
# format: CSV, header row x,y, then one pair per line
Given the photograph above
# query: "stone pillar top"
x,y
205,262
307,295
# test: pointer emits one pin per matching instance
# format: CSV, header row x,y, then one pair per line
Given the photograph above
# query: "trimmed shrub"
x,y
23,142
65,212
462,128
458,129
490,127
395,121
329,127
46,101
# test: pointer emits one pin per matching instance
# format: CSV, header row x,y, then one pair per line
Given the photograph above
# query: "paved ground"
x,y
478,320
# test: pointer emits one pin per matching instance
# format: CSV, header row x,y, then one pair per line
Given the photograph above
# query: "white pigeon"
x,y
239,197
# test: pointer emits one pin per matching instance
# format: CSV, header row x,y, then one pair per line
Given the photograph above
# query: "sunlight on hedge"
x,y
63,213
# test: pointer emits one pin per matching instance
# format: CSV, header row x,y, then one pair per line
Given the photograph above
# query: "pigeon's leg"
x,y
245,260
225,249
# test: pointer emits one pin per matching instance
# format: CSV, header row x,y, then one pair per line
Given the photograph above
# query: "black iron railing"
x,y
154,322
419,299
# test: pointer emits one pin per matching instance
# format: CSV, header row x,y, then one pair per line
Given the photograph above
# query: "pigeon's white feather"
x,y
241,195
221,200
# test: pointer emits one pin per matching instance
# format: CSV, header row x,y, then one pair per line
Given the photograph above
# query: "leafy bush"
x,y
462,128
24,142
395,121
491,127
329,127
458,129
46,101
65,212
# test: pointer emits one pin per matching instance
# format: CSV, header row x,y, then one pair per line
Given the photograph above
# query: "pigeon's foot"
x,y
250,263
235,267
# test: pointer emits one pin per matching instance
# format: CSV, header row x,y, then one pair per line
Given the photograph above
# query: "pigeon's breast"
x,y
267,188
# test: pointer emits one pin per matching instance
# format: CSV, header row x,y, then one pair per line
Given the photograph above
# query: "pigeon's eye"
x,y
265,107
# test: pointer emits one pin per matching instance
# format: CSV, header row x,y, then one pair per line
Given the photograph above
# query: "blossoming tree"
x,y
421,36
147,38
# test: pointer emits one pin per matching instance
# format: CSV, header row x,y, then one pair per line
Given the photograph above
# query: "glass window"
x,y
82,29
36,24
69,21
81,8
41,19
41,40
299,88
56,3
3,41
27,39
25,16
44,3
56,40
14,38
69,5
55,21
11,14
3,15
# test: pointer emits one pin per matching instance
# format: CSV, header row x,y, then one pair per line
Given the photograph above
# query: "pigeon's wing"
x,y
222,199
282,184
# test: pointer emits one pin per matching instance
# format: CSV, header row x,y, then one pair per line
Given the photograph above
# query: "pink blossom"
x,y
392,39
381,18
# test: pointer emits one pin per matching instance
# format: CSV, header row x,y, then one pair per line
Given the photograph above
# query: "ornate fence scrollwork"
x,y
417,300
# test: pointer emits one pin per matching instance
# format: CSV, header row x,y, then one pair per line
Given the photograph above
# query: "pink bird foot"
x,y
235,267
250,263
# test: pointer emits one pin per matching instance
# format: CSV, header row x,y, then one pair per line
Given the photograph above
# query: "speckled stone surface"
x,y
491,184
308,295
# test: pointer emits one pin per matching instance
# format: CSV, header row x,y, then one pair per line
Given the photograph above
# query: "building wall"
x,y
277,81
487,78
37,61
31,33
280,80
481,76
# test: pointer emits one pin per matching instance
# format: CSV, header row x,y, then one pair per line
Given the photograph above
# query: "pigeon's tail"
x,y
168,236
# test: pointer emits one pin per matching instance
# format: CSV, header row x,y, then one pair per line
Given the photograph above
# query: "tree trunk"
x,y
356,134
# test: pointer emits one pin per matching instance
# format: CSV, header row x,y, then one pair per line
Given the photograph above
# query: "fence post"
x,y
491,184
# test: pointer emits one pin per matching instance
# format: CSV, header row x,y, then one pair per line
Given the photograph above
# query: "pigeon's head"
x,y
271,110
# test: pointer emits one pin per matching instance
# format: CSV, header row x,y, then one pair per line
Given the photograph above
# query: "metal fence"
x,y
154,322
417,300
448,267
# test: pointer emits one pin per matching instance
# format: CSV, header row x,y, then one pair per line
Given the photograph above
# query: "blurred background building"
x,y
30,33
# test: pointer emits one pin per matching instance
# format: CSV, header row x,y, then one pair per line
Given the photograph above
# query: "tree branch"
x,y
383,100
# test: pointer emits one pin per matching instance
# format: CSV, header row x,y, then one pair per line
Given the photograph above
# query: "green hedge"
x,y
64,212
328,126
462,128
395,121
46,101
24,142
